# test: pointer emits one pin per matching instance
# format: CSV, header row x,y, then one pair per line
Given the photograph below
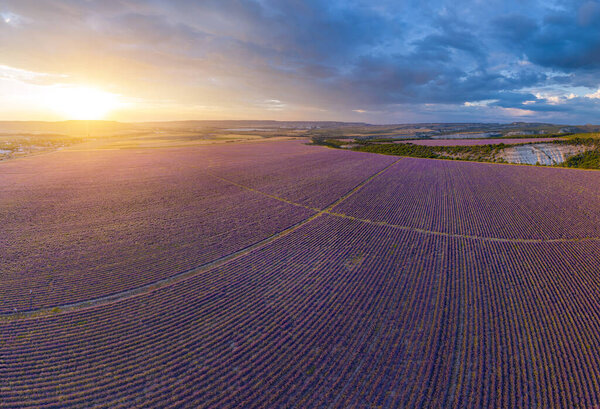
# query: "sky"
x,y
376,61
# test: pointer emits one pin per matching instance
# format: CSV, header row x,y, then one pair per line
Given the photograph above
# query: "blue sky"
x,y
373,61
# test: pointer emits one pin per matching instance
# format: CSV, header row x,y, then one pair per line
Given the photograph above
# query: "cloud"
x,y
31,77
11,19
565,40
272,105
593,95
395,60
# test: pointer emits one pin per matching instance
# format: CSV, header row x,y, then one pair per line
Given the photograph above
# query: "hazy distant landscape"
x,y
543,144
24,138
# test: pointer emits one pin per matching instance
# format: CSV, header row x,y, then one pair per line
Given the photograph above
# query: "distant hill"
x,y
358,128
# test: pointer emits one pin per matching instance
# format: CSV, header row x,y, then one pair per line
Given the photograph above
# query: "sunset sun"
x,y
83,103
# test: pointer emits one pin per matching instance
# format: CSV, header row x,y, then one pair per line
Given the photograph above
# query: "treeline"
x,y
585,160
329,142
590,158
479,153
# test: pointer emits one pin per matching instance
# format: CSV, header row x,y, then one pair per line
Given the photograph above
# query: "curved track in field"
x,y
329,210
222,260
112,298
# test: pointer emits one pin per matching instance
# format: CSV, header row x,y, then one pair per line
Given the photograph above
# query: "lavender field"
x,y
277,274
104,223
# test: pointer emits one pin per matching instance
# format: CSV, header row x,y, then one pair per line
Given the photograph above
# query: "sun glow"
x,y
77,102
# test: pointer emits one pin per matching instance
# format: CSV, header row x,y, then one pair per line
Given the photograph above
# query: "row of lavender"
x,y
308,175
485,200
82,225
338,313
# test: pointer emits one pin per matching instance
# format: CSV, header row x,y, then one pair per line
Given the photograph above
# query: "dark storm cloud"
x,y
325,56
565,40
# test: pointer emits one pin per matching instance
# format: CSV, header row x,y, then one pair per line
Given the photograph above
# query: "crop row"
x,y
91,225
308,175
484,200
338,313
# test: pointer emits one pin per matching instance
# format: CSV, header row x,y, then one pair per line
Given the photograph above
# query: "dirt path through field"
x,y
196,270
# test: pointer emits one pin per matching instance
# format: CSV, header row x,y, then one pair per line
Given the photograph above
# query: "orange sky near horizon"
x,y
27,95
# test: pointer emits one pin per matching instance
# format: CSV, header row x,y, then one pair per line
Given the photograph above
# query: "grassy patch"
x,y
585,160
480,153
